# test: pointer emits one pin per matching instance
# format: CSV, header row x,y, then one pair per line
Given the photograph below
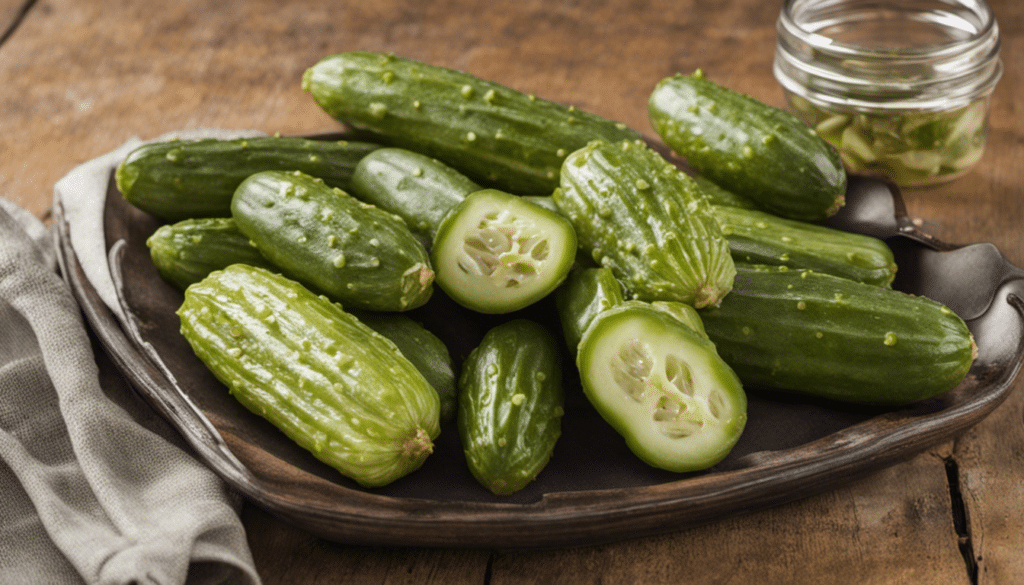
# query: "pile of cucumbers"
x,y
299,260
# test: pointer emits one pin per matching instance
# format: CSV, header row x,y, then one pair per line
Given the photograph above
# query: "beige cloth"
x,y
94,487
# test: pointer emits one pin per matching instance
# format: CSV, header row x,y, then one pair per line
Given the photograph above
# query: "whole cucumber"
x,y
326,239
186,251
826,336
419,189
182,179
646,220
328,382
748,147
511,405
496,135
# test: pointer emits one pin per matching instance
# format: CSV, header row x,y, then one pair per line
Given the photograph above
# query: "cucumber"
x,y
647,221
187,251
511,405
747,147
497,253
719,196
821,335
328,382
419,189
662,386
495,135
586,293
421,347
756,237
326,239
183,179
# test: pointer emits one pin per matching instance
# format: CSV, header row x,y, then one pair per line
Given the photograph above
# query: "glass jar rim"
x,y
933,76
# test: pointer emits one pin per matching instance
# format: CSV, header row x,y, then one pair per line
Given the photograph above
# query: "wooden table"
x,y
79,77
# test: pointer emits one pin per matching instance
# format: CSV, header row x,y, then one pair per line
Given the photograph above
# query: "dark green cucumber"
x,y
326,239
586,293
498,253
826,336
719,196
756,237
511,405
182,179
647,221
328,382
496,135
421,347
750,148
185,252
419,189
662,386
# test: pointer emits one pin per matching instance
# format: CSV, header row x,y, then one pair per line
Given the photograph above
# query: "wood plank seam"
x,y
17,21
959,513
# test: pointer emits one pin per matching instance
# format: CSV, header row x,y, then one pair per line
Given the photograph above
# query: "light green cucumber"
x,y
328,382
511,405
348,250
494,134
647,221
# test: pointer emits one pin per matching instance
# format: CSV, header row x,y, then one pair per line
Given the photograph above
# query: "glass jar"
x,y
900,87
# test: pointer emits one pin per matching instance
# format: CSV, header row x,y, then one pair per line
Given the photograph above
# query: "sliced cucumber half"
x,y
663,387
497,253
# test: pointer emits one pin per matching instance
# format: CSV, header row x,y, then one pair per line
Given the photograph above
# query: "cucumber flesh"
x,y
663,387
496,253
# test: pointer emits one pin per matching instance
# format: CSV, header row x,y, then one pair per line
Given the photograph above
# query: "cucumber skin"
x,y
508,444
421,347
309,368
187,251
647,221
770,341
419,189
586,293
494,134
326,239
748,147
182,179
756,237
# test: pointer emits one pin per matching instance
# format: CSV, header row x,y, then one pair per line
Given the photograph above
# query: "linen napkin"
x,y
94,487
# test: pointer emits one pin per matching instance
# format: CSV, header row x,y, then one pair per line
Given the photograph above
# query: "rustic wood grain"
x,y
79,77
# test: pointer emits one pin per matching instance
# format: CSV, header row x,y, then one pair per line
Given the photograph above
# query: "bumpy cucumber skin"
x,y
421,347
647,221
419,189
331,384
348,250
748,147
719,196
585,294
511,405
186,251
831,337
756,237
496,135
479,295
660,321
182,179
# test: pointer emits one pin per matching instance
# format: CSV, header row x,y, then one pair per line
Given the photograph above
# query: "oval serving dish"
x,y
594,489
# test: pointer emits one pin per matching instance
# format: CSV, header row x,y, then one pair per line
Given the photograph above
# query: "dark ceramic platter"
x,y
593,490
